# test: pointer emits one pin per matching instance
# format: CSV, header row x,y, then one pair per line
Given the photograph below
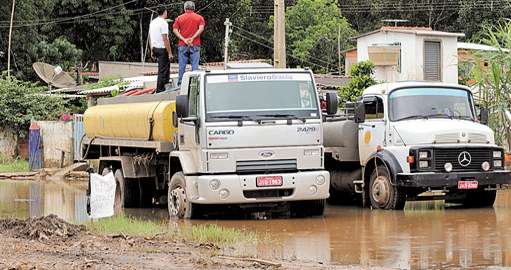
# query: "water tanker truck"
x,y
402,141
237,138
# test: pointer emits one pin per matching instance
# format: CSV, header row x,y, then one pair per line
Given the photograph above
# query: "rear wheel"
x,y
119,191
178,204
308,208
480,198
382,193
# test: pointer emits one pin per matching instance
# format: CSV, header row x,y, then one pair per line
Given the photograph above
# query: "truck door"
x,y
189,138
371,133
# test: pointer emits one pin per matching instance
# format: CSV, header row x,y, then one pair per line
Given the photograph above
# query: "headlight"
x,y
311,152
423,164
218,155
497,164
214,184
485,166
448,167
423,155
497,154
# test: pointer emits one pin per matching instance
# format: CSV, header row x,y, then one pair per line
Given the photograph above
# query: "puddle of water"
x,y
425,235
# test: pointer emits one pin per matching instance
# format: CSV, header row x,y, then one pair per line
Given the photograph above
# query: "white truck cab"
x,y
249,137
413,137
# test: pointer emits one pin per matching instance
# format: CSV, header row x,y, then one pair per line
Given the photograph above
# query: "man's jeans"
x,y
184,54
162,56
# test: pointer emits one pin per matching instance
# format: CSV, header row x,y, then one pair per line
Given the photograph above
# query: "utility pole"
x,y
279,34
339,48
10,37
228,31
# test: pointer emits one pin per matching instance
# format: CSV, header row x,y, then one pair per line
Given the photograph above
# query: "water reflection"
x,y
23,199
425,235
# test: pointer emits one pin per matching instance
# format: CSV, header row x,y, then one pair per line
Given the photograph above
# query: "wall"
x,y
412,55
57,136
8,142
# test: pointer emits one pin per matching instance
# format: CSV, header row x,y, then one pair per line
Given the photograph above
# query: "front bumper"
x,y
446,180
243,189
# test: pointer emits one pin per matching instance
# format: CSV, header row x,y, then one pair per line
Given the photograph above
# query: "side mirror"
x,y
360,112
332,103
182,106
484,115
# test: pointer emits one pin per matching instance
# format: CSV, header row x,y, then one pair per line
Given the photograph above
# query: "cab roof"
x,y
386,88
250,70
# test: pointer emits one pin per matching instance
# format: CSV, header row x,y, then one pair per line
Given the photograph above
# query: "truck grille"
x,y
266,165
478,156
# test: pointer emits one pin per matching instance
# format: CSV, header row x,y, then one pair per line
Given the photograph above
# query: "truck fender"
x,y
132,167
187,161
386,158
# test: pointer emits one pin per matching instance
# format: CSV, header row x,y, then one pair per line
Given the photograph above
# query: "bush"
x,y
361,78
21,102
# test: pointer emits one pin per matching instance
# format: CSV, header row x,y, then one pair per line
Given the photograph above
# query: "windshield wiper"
x,y
412,117
287,116
438,115
241,117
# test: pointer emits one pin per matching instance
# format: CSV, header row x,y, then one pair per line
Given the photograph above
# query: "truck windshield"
x,y
260,96
430,102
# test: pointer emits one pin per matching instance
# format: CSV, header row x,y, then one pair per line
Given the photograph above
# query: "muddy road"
x,y
425,235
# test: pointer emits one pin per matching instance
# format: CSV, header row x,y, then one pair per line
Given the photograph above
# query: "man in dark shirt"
x,y
188,27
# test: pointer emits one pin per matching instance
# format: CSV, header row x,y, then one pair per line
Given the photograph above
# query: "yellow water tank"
x,y
133,121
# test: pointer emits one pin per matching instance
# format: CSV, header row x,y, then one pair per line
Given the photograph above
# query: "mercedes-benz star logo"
x,y
464,158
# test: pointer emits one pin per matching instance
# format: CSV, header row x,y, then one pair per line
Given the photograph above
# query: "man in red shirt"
x,y
188,27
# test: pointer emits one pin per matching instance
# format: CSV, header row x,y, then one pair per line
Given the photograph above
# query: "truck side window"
x,y
374,108
193,94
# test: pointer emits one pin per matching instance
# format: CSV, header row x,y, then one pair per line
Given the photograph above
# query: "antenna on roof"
x,y
394,21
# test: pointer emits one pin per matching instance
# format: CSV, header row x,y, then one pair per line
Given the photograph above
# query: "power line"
x,y
90,16
269,41
271,48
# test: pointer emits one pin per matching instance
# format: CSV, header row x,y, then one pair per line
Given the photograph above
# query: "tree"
x,y
59,52
21,102
494,81
361,78
313,40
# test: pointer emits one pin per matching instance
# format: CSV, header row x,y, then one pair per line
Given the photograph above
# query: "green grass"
x,y
128,226
13,165
206,234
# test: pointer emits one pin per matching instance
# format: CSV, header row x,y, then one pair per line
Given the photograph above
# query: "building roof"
x,y
419,31
476,47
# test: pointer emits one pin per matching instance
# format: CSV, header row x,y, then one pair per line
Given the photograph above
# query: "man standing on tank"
x,y
160,48
188,27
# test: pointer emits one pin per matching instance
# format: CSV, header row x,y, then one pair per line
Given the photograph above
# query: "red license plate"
x,y
269,181
468,184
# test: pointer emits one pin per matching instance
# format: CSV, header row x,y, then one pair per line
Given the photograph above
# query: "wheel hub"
x,y
176,200
380,190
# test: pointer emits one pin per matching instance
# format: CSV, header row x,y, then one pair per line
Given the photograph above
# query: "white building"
x,y
410,53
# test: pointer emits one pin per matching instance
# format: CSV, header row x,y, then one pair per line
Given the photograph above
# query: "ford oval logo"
x,y
266,154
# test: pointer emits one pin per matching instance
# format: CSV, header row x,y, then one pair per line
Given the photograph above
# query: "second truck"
x,y
238,138
403,140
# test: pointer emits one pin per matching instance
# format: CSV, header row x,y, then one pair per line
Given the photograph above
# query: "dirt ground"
x,y
50,243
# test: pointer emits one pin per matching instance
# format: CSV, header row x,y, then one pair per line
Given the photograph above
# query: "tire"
x,y
119,192
129,191
382,193
308,208
177,201
480,198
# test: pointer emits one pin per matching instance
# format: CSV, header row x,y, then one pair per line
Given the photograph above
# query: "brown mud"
x,y
51,243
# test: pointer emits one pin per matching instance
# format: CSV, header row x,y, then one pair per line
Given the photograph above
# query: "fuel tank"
x,y
147,121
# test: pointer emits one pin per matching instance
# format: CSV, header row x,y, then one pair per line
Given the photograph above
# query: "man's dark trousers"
x,y
162,57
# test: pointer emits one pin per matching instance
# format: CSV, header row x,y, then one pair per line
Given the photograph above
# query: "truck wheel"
x,y
178,204
480,198
308,208
384,195
129,190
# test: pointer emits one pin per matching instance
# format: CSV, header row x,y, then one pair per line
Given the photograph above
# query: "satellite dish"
x,y
53,75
